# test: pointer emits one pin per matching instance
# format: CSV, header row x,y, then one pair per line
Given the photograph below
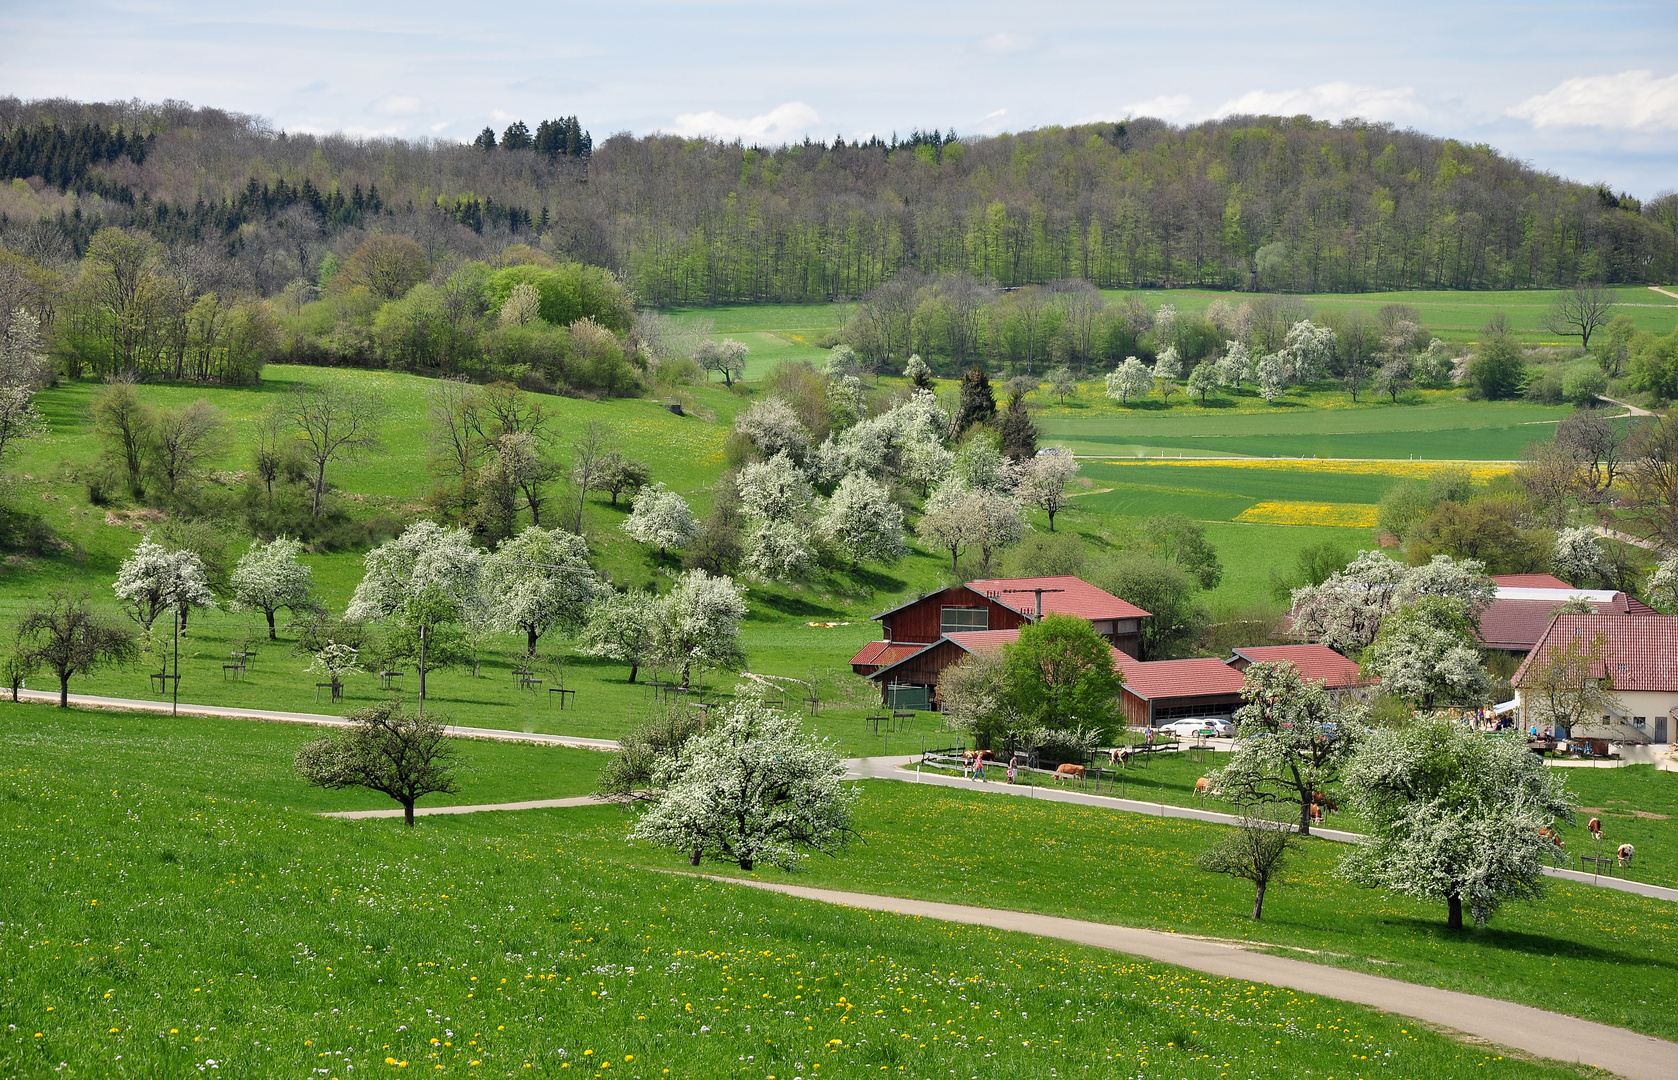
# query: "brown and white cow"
x,y
1625,853
1595,826
1069,770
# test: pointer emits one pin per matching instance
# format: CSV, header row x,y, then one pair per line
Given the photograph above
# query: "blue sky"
x,y
1586,89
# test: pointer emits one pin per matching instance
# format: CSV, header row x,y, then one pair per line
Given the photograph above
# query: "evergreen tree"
x,y
485,139
978,402
1019,434
517,137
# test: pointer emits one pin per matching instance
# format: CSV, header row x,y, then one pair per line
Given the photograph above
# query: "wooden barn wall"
x,y
920,621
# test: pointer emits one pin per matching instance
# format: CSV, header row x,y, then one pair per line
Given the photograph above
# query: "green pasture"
x,y
168,921
1320,423
1085,862
773,332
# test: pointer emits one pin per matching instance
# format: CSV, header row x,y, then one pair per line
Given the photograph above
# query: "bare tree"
x,y
1082,304
335,423
1028,305
182,439
125,423
456,436
1254,850
588,463
1580,310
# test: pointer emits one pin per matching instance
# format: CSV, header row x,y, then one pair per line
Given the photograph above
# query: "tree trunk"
x,y
693,860
184,610
529,641
1453,920
422,672
1305,818
745,864
955,567
64,691
320,486
1051,521
634,668
408,812
1258,901
271,636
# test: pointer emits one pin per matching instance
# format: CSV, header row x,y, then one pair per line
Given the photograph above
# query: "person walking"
x,y
1013,767
979,767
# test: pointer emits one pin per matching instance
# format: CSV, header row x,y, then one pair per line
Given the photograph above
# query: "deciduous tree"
x,y
270,577
67,637
538,581
387,750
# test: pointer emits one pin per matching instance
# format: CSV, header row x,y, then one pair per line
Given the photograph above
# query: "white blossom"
x,y
1043,481
537,581
660,516
427,575
862,520
1307,351
1578,560
772,427
154,579
1272,377
754,790
699,622
270,577
1132,379
774,490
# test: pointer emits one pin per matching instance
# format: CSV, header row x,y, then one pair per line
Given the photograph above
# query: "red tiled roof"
x,y
1518,624
1202,677
1642,651
988,641
1316,663
881,653
1529,581
1077,597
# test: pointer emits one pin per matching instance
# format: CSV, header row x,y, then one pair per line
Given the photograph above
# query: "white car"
x,y
1188,729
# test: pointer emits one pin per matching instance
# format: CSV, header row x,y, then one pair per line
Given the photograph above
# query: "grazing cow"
x,y
1076,772
1203,788
1316,814
1625,853
1326,801
1595,826
1552,836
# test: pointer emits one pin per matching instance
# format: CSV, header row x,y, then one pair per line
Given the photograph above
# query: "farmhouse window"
x,y
956,620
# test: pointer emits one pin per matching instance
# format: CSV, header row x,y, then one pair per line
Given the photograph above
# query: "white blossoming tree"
x,y
154,579
660,517
772,426
776,499
1578,560
1044,480
917,372
1291,740
1132,379
959,518
1453,816
336,660
1345,612
756,789
271,577
698,623
1307,351
1236,365
427,578
1662,585
539,580
1167,370
1203,380
622,626
862,520
780,550
23,368
1426,652
727,358
1272,378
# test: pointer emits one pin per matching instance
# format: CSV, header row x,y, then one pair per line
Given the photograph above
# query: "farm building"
x,y
974,617
1521,611
1316,663
1160,691
1641,659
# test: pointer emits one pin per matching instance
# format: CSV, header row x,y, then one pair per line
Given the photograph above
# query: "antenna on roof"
x,y
1039,592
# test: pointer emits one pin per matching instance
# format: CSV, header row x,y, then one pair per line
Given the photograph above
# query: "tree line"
x,y
1244,203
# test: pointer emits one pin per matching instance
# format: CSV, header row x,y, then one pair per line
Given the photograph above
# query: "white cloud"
x,y
782,122
1006,44
997,113
1166,107
1631,100
399,105
1329,101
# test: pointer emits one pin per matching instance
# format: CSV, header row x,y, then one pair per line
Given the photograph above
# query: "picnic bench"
x,y
162,678
561,691
1600,863
237,668
335,686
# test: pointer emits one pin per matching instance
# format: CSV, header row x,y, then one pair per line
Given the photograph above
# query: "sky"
x,y
1585,89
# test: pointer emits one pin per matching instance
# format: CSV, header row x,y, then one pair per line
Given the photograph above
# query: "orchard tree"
x,y
1662,585
622,626
1063,383
1167,370
1426,652
780,550
754,790
619,474
1291,740
427,578
862,520
538,581
1578,559
24,368
959,518
1393,378
772,426
699,623
974,699
1044,480
1581,310
1132,379
660,516
1203,380
387,750
270,577
1308,350
774,490
727,358
1345,612
1453,816
69,638
154,579
1254,851
1272,378
918,373
1568,685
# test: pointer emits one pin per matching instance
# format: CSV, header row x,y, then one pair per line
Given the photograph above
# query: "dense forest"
x,y
1246,203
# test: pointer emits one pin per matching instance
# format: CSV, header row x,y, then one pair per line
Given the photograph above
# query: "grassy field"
x,y
173,926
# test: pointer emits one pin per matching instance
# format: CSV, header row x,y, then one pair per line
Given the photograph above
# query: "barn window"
x,y
956,620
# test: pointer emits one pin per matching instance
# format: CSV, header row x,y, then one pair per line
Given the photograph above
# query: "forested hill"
x,y
1246,202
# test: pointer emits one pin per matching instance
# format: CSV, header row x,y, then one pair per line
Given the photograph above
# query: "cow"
x,y
1076,772
1625,853
1595,826
1552,836
1326,801
1316,814
1203,788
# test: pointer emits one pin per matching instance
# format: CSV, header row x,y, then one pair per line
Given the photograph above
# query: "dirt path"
x,y
92,701
1534,1031
1664,292
427,811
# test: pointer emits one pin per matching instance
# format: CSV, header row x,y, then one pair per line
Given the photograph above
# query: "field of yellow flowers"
x,y
177,922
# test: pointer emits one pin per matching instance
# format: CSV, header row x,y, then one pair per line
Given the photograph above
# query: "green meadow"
x,y
175,924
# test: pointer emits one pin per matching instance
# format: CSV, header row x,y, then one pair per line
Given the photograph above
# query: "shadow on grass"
x,y
1521,941
794,605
